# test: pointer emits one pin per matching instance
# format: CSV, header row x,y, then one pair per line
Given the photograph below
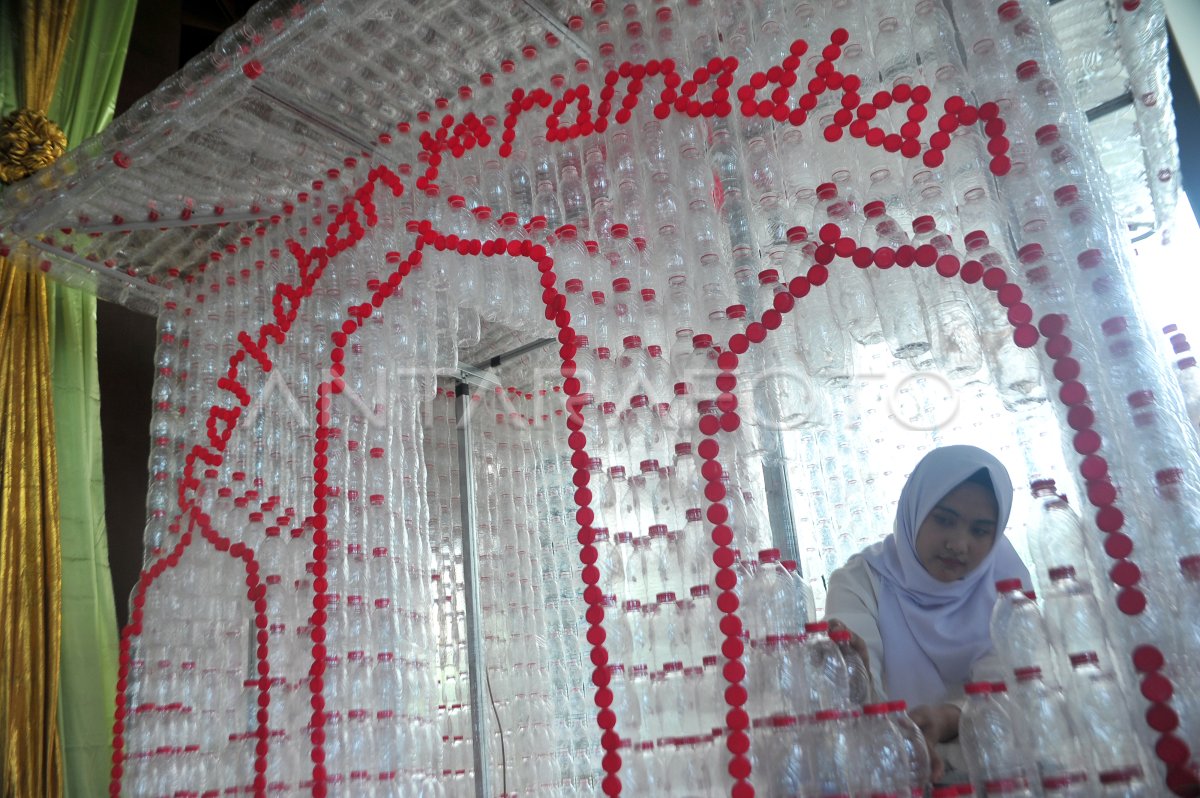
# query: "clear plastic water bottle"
x,y
916,750
829,679
1175,511
858,676
836,769
772,601
806,592
990,744
850,291
887,769
644,434
1074,616
1188,377
1044,721
1019,633
897,297
1056,532
778,755
637,572
955,343
705,632
823,341
1104,720
1161,439
624,702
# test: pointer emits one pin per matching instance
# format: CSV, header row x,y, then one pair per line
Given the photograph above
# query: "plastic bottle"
x,y
1019,634
806,592
1074,616
1041,103
704,633
829,679
821,339
916,750
835,760
762,677
990,745
858,677
1044,722
615,509
771,599
1175,512
637,571
1160,438
778,756
1188,642
1104,720
887,769
850,291
897,298
1056,532
1188,376
644,433
954,337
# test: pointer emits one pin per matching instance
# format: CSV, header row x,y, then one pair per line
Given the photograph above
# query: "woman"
x,y
920,600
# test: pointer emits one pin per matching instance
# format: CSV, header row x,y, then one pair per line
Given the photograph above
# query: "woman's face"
x,y
958,532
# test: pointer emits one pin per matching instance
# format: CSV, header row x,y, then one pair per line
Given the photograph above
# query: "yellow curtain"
x,y
30,556
30,600
44,28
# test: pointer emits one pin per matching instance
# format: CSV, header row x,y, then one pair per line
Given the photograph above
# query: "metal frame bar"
x,y
554,23
1109,106
169,224
509,355
476,667
779,505
310,116
481,701
152,295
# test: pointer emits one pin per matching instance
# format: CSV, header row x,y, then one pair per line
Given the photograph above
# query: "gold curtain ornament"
x,y
29,141
45,28
30,561
30,553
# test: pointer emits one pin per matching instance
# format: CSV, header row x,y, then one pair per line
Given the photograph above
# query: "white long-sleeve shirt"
x,y
853,599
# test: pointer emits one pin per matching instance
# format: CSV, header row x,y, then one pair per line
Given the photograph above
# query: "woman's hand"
x,y
939,724
856,642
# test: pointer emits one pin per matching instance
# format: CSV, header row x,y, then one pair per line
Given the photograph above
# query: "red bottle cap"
x,y
1027,70
1046,134
923,224
1028,674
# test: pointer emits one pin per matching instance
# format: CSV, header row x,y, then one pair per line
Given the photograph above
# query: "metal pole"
x,y
476,667
509,355
779,501
481,702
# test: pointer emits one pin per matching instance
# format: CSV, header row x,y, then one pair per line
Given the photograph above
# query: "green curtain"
x,y
83,104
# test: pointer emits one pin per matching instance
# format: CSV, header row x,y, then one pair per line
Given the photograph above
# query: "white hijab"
x,y
933,631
